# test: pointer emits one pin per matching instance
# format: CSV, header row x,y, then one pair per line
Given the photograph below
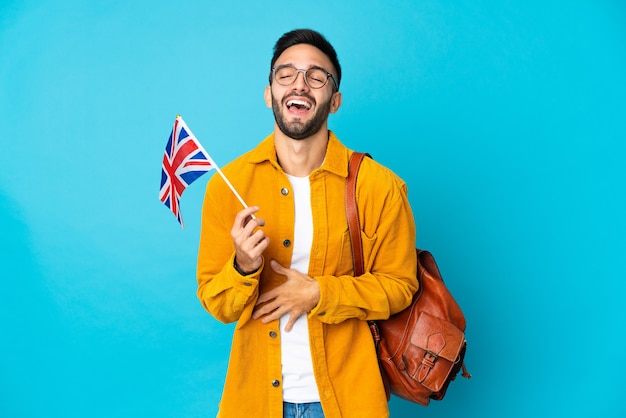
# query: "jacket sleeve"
x,y
388,235
222,291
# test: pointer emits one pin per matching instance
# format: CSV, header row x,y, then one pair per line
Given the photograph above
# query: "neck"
x,y
299,157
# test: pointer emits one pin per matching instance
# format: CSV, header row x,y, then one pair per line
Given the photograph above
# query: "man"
x,y
282,269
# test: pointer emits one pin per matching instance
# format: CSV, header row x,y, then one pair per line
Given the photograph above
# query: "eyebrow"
x,y
317,67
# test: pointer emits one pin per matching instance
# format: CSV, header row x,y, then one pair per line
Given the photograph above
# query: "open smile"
x,y
299,105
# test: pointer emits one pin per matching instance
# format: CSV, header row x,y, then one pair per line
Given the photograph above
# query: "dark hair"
x,y
306,36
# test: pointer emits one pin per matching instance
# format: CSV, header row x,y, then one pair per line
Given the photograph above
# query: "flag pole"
x,y
228,183
231,187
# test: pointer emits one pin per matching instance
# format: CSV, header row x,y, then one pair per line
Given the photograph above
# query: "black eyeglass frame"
x,y
298,70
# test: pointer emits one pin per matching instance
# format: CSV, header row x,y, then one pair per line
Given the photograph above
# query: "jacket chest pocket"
x,y
345,261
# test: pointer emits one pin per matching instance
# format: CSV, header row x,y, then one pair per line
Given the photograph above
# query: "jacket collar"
x,y
336,160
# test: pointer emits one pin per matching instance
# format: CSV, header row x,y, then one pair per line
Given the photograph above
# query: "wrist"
x,y
241,271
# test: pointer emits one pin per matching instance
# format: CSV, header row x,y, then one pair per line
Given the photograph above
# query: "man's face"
x,y
299,110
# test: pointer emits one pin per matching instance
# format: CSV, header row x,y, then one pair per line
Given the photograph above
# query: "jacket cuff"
x,y
319,310
242,280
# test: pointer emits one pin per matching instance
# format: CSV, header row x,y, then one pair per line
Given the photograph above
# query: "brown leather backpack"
x,y
421,349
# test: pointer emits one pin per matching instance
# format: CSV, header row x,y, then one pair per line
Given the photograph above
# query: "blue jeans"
x,y
302,410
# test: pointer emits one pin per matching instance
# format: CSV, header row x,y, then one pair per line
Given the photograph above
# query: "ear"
x,y
268,96
335,102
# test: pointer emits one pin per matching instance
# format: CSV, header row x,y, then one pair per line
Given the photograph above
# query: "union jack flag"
x,y
184,161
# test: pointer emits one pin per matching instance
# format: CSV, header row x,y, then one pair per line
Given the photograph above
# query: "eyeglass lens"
x,y
315,77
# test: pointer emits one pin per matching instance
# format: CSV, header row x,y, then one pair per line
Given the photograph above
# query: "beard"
x,y
297,129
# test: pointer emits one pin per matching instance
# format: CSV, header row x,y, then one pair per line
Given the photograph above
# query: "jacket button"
x,y
275,383
284,191
273,334
286,243
321,313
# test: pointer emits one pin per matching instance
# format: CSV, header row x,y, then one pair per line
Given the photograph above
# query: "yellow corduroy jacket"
x,y
344,357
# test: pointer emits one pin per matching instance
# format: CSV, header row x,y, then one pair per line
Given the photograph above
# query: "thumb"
x,y
278,268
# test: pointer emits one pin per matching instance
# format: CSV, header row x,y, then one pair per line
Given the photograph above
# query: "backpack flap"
x,y
434,349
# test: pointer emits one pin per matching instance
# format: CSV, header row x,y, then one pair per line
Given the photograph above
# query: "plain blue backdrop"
x,y
507,119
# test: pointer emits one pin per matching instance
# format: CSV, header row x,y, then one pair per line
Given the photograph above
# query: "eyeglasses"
x,y
314,77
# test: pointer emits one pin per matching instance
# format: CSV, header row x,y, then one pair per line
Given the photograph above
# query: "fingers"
x,y
272,311
291,322
266,297
267,312
252,246
267,305
297,296
244,216
249,239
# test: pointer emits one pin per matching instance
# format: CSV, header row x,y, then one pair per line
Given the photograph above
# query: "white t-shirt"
x,y
298,380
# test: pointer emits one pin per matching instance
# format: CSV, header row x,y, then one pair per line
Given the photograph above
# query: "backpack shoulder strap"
x,y
352,212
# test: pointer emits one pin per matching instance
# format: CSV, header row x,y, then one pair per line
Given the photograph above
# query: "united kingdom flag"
x,y
184,161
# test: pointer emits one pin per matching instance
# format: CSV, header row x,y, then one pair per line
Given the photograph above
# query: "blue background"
x,y
507,119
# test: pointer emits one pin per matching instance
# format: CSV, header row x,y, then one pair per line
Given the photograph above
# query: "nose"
x,y
300,82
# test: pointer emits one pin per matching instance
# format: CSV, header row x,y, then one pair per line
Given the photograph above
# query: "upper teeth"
x,y
299,103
